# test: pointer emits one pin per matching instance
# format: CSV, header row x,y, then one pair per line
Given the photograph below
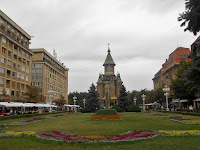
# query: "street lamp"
x,y
135,99
84,100
74,99
143,98
51,94
166,90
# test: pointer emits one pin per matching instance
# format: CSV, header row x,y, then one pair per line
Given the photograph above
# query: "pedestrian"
x,y
191,108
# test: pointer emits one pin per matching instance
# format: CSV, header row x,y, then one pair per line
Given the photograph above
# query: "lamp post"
x,y
135,99
74,99
84,100
166,90
51,94
143,99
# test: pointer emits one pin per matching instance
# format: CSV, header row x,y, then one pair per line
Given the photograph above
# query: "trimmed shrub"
x,y
106,112
84,110
117,108
134,108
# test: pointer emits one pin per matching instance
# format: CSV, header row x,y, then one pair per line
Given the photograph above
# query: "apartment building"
x,y
169,68
49,74
16,58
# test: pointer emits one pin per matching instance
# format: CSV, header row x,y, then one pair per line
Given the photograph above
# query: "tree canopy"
x,y
191,16
123,101
34,95
179,87
92,103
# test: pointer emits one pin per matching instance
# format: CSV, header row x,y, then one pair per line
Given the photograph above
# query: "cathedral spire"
x,y
109,60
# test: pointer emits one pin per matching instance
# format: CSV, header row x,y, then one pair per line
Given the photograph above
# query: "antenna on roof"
x,y
54,54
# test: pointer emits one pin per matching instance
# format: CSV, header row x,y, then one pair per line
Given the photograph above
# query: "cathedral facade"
x,y
109,84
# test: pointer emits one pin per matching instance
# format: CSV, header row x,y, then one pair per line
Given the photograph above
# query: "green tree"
x,y
60,101
33,94
92,102
158,95
191,16
80,96
4,96
180,85
191,77
123,101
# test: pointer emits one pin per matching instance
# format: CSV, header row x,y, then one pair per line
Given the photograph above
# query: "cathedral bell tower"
x,y
109,64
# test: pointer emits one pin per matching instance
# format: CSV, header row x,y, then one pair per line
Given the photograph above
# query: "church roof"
x,y
109,60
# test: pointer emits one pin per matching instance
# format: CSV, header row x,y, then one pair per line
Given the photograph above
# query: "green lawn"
x,y
80,124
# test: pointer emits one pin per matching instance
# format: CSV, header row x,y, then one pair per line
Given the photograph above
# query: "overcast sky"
x,y
141,33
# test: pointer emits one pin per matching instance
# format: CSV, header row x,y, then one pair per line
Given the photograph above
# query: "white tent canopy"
x,y
18,104
72,105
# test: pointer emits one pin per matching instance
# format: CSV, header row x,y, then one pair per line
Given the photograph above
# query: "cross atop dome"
x,y
108,47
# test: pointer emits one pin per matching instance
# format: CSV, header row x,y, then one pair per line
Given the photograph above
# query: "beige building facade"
x,y
49,74
16,58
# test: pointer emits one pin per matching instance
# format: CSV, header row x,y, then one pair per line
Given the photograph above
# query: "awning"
x,y
180,101
197,100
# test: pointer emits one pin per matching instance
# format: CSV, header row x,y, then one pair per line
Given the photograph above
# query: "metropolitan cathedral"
x,y
108,84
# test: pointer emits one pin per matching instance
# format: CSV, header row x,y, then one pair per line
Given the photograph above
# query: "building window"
x,y
1,80
2,70
19,59
24,53
14,65
14,74
184,55
15,47
3,39
3,50
18,75
27,70
3,60
15,56
36,70
19,67
23,68
7,91
22,76
9,53
9,63
27,62
8,72
26,78
13,93
20,50
2,21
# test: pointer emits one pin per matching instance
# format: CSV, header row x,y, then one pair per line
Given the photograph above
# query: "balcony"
x,y
3,26
9,30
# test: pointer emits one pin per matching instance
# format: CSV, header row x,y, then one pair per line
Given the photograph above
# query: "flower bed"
x,y
17,133
180,133
129,136
65,136
178,118
105,117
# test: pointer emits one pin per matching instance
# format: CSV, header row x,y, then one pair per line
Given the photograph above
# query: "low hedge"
x,y
117,108
106,112
134,108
